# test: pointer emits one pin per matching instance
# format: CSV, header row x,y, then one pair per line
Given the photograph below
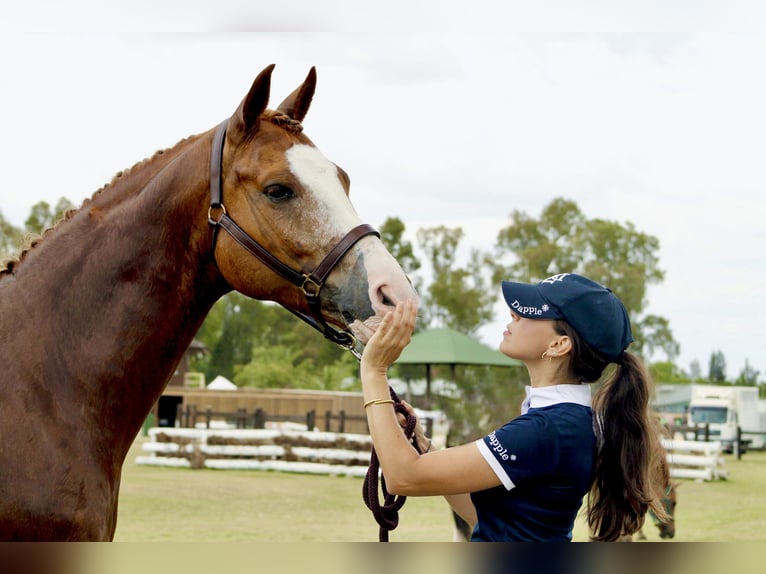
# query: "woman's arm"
x,y
460,503
451,471
463,507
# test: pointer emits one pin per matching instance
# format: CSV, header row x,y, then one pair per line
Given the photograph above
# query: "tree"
x,y
458,297
539,247
616,255
653,333
392,236
717,368
42,216
667,372
695,371
276,366
10,238
234,324
263,345
489,397
281,366
748,376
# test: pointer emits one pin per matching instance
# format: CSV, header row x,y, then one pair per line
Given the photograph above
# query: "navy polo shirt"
x,y
544,460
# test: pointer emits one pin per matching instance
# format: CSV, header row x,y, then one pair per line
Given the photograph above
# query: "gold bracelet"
x,y
378,402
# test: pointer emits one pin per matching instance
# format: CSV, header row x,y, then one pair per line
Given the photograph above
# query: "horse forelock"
x,y
31,240
283,120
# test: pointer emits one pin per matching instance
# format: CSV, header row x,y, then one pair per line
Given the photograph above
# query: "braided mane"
x,y
31,240
8,265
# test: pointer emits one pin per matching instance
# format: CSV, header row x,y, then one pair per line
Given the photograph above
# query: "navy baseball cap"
x,y
592,310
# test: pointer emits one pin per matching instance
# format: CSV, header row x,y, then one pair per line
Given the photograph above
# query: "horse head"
x,y
667,528
291,202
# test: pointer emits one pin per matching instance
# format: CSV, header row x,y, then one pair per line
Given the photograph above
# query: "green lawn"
x,y
732,510
180,505
168,504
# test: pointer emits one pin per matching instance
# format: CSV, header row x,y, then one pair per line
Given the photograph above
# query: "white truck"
x,y
724,408
762,413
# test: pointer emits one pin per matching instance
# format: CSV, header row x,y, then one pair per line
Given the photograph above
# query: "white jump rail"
x,y
304,458
695,459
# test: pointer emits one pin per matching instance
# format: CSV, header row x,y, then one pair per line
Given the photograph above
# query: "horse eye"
x,y
277,193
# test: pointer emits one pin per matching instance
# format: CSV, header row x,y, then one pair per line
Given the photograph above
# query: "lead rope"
x,y
387,514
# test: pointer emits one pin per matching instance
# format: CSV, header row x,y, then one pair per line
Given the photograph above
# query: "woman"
x,y
526,481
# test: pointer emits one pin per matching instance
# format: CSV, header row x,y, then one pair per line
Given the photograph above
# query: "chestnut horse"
x,y
95,317
666,527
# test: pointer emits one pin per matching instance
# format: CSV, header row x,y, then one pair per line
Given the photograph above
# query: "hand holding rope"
x,y
387,514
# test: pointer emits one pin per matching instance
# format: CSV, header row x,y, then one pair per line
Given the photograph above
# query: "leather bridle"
x,y
310,283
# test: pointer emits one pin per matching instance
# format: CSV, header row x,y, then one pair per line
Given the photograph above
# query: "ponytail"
x,y
629,474
630,471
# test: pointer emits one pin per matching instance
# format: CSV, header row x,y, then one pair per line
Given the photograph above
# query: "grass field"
x,y
181,505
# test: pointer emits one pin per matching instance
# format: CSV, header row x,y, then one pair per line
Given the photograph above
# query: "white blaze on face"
x,y
320,176
335,216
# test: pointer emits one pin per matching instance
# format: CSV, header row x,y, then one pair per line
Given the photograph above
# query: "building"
x,y
672,401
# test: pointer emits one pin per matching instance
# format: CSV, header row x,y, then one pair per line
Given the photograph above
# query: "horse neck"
x,y
121,288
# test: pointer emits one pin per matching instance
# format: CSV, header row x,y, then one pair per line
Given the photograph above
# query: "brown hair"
x,y
628,476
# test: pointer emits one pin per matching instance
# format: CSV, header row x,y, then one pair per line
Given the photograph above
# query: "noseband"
x,y
310,283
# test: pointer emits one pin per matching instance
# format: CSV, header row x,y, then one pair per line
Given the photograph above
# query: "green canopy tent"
x,y
444,346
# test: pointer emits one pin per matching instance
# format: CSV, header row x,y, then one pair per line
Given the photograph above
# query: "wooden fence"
x,y
700,432
191,417
273,402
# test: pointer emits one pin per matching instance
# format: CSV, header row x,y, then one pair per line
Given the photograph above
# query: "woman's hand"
x,y
390,338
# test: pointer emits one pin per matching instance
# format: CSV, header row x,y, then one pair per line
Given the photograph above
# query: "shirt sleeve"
x,y
525,448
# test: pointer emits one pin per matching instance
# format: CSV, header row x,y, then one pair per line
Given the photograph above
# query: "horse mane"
x,y
31,240
9,264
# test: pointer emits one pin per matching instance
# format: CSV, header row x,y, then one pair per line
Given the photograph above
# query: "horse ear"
x,y
255,101
297,104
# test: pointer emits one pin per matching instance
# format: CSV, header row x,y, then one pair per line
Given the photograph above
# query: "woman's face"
x,y
526,339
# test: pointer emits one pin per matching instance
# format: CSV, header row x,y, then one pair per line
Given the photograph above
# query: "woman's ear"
x,y
560,346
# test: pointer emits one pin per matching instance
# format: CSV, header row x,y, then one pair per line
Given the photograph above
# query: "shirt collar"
x,y
539,397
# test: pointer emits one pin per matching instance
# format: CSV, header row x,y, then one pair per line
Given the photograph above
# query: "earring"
x,y
546,356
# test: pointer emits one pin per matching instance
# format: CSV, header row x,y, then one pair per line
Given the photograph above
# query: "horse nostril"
x,y
384,298
347,317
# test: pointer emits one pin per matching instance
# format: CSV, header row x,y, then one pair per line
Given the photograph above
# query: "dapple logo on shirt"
x,y
497,447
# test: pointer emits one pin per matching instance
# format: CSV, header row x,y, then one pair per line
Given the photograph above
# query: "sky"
x,y
652,114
